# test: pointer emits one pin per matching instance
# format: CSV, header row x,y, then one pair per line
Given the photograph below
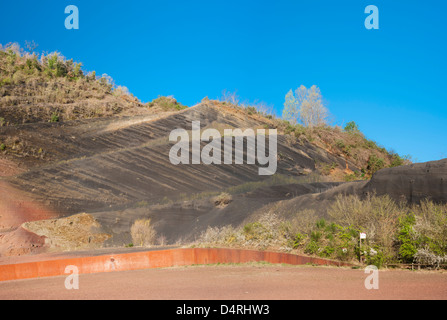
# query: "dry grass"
x,y
269,231
143,233
77,232
222,200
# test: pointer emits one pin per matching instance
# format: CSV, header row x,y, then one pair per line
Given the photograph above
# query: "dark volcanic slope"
x,y
103,163
118,169
412,183
185,220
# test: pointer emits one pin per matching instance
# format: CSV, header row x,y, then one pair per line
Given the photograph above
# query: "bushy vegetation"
x,y
268,231
143,233
396,233
352,127
22,67
35,86
166,104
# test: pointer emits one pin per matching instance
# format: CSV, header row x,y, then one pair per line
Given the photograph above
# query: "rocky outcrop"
x,y
412,183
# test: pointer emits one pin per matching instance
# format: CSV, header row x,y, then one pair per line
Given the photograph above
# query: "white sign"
x,y
362,235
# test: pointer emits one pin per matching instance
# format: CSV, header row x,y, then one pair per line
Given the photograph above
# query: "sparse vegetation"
x,y
348,143
141,204
54,117
268,231
327,168
222,200
260,109
355,176
276,179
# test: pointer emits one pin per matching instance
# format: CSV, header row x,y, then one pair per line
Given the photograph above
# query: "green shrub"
x,y
256,231
2,146
54,117
407,238
352,127
298,240
299,131
289,129
327,168
375,164
340,144
327,252
321,224
377,258
166,104
312,248
397,160
5,81
77,70
351,177
251,110
331,228
369,144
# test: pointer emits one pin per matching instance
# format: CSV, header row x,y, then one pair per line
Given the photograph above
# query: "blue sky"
x,y
391,81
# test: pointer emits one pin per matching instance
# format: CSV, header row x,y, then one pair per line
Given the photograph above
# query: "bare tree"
x,y
230,97
305,106
31,46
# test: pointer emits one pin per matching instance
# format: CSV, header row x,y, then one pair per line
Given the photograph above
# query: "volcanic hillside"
x,y
91,159
119,171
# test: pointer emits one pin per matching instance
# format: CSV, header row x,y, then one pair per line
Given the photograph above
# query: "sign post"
x,y
362,236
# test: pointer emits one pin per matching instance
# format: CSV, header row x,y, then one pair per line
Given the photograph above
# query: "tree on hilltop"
x,y
305,106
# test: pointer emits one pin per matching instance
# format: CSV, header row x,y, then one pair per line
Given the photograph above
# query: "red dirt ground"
x,y
239,282
16,207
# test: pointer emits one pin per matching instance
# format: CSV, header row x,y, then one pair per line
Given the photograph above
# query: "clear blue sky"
x,y
391,81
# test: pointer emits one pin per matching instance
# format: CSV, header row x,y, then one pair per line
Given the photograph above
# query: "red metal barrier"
x,y
152,259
